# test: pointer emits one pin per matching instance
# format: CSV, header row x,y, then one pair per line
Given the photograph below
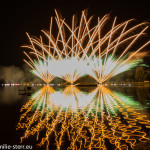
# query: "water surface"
x,y
95,117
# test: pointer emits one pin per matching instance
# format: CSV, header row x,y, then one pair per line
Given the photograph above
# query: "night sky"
x,y
32,16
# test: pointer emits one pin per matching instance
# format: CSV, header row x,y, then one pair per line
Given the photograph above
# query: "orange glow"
x,y
88,119
84,44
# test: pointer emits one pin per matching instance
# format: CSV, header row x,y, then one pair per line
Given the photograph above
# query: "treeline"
x,y
139,74
13,74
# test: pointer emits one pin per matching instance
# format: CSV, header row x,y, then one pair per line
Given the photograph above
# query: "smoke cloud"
x,y
13,74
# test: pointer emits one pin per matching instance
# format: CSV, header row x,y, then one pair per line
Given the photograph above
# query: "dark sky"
x,y
32,16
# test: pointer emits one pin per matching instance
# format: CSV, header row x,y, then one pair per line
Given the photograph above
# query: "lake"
x,y
75,117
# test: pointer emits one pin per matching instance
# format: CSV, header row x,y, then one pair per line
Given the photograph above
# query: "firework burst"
x,y
102,73
81,48
71,69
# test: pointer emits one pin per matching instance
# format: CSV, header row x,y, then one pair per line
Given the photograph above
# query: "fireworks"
x,y
83,120
71,69
102,72
81,48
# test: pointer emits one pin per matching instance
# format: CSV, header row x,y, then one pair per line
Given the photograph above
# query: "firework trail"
x,y
81,48
101,72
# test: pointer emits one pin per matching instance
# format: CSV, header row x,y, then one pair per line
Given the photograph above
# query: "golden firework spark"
x,y
88,121
70,53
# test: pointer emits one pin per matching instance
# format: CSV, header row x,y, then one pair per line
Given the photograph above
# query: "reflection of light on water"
x,y
71,98
93,120
9,95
